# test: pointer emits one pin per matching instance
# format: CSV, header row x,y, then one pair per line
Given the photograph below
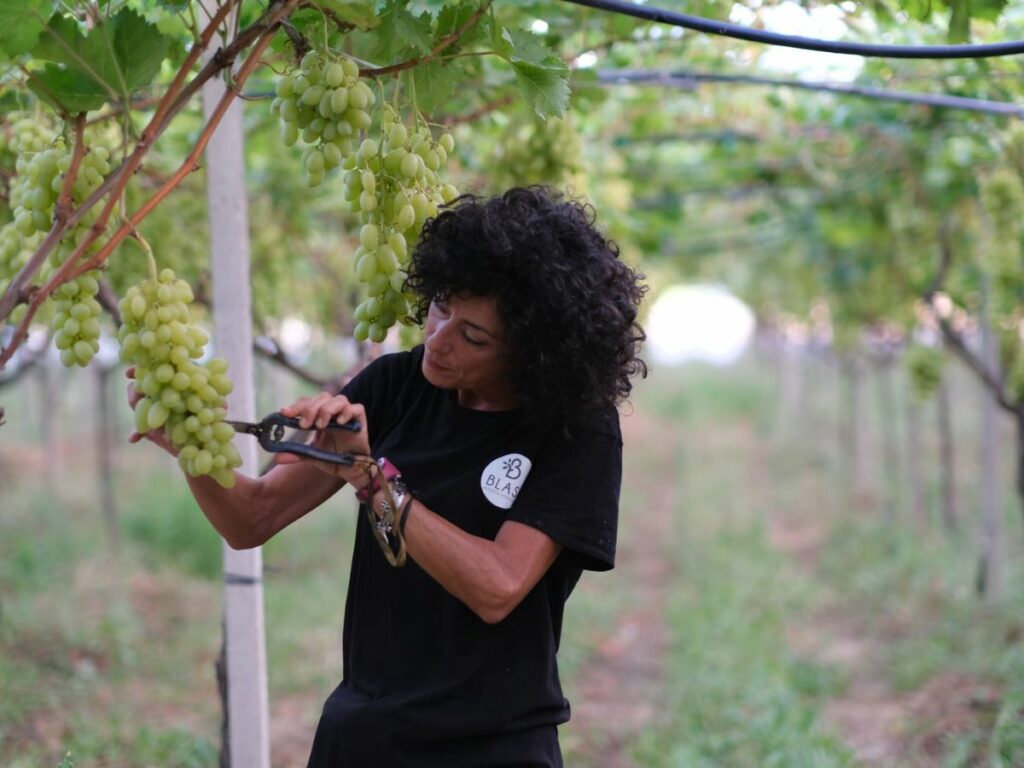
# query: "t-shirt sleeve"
x,y
572,493
379,386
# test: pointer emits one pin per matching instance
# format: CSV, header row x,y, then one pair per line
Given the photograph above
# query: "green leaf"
x,y
21,23
546,90
67,90
451,19
436,83
360,13
542,76
530,48
501,39
139,46
118,57
400,29
92,56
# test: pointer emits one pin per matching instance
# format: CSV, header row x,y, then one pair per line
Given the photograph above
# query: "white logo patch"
x,y
503,478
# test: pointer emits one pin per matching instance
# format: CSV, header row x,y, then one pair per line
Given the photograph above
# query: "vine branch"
x,y
956,342
444,43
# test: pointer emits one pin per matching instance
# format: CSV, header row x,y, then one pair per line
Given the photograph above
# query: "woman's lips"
x,y
430,361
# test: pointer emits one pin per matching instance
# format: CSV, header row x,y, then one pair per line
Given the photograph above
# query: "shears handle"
x,y
273,432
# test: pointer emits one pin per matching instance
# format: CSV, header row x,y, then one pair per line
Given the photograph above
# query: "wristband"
x,y
387,470
405,515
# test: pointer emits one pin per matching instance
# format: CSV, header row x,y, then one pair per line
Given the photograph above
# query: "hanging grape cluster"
x,y
183,397
395,187
391,181
34,194
22,135
549,152
324,103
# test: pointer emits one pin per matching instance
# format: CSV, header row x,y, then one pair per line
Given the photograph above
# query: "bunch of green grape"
x,y
925,366
33,198
549,152
183,397
20,134
24,133
324,103
394,186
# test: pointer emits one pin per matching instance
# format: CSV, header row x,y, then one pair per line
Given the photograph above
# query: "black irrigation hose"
x,y
726,29
689,80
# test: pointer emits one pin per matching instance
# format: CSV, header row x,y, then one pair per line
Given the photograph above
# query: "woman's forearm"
x,y
233,512
490,577
255,509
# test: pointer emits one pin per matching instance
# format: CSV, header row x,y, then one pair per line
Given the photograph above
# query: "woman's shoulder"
x,y
592,424
394,369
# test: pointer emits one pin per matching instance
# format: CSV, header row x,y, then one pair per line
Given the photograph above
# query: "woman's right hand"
x,y
157,436
316,413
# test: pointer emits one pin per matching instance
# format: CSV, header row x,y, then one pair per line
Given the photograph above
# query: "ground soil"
x,y
619,691
882,727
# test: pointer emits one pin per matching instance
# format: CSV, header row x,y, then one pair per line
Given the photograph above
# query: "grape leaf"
x,y
118,57
68,90
360,13
21,23
399,29
436,83
546,90
542,75
501,39
139,46
530,48
451,19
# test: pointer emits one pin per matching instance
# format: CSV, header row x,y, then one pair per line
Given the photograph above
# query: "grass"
x,y
111,657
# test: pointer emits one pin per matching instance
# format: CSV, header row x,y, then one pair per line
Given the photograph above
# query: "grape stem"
x,y
150,258
63,206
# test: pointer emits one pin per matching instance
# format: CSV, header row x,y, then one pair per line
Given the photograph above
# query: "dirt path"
x,y
868,716
619,690
882,727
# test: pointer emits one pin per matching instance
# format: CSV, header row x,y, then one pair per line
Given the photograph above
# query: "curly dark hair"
x,y
568,304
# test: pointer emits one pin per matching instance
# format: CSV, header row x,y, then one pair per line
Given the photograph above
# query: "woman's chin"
x,y
439,377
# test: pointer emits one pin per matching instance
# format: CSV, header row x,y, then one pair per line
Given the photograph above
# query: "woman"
x,y
498,463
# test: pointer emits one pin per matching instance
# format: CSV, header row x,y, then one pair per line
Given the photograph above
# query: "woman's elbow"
x,y
498,603
249,538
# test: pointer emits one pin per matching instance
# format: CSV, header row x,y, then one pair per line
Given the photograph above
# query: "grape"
x,y
391,181
324,103
393,185
182,397
42,163
549,152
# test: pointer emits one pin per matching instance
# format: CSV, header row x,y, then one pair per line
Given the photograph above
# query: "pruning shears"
x,y
270,432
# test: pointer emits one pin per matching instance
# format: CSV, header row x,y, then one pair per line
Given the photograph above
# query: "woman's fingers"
x,y
133,394
319,411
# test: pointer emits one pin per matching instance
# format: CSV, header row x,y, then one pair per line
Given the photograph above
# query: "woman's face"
x,y
465,351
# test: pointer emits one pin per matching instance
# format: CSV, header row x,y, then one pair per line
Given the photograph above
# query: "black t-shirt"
x,y
426,681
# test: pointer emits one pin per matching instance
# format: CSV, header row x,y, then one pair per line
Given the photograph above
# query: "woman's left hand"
x,y
316,413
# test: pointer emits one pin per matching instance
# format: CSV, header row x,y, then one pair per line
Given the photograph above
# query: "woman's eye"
x,y
472,341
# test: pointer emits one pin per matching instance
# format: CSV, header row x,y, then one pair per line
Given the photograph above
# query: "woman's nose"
x,y
437,340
